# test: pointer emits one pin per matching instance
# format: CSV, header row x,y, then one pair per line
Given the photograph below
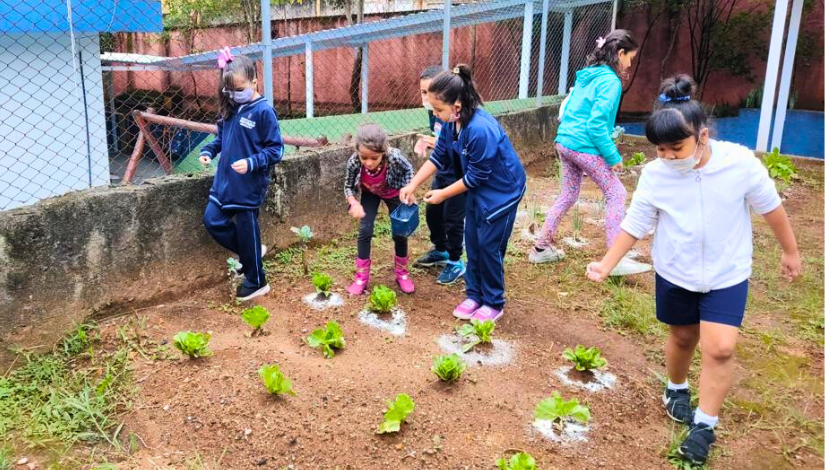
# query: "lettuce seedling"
x,y
555,408
636,159
585,358
479,331
304,236
255,317
520,461
331,337
193,344
396,413
448,367
275,381
323,284
382,299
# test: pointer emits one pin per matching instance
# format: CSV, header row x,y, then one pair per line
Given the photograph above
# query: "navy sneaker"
x,y
248,293
451,273
696,446
433,258
677,405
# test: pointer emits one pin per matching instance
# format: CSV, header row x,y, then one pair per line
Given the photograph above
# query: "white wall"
x,y
43,131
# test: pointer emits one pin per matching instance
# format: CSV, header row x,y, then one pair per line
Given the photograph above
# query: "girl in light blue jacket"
x,y
584,140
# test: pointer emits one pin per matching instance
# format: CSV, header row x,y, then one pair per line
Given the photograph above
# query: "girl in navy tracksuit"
x,y
249,142
493,178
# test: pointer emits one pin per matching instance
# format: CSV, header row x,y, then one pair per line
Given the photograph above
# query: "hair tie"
x,y
456,71
224,57
666,99
600,42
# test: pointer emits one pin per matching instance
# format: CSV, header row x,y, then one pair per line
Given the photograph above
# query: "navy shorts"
x,y
678,306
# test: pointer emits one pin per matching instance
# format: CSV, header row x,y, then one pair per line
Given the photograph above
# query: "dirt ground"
x,y
214,412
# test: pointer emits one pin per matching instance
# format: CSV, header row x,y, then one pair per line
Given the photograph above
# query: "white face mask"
x,y
427,105
684,166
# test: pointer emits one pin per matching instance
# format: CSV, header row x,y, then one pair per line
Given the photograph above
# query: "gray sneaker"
x,y
550,254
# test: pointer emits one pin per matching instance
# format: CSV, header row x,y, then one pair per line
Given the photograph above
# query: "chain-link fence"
x,y
120,91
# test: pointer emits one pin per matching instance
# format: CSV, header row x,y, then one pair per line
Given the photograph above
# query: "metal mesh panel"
x,y
108,96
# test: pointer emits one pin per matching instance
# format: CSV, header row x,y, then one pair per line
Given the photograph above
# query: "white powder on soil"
x,y
572,431
601,379
501,353
573,243
395,323
316,303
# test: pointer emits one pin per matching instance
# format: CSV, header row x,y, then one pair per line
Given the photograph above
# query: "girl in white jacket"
x,y
698,196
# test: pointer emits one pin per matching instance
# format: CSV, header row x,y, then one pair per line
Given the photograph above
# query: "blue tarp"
x,y
88,16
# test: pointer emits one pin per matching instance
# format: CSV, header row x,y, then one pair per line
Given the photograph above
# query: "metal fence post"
x,y
787,75
565,52
310,99
526,50
445,47
365,77
266,36
769,90
545,8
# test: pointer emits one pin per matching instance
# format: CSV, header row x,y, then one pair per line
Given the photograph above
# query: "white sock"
x,y
681,386
700,417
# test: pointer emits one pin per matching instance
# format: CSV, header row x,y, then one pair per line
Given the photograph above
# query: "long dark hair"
x,y
240,65
430,72
457,85
608,53
677,115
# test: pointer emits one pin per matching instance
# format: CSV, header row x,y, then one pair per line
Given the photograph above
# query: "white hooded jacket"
x,y
703,239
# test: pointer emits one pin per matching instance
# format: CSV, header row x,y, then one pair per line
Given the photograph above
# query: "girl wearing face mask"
x,y
585,145
376,171
698,195
475,146
249,143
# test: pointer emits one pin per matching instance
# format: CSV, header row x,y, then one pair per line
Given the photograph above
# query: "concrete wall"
x,y
109,250
44,120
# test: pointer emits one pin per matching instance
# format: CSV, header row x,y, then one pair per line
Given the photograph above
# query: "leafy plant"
x,y
636,159
382,299
520,461
578,223
327,339
322,283
555,408
479,331
585,358
304,236
79,340
396,413
232,266
255,317
779,166
193,344
618,133
448,367
275,381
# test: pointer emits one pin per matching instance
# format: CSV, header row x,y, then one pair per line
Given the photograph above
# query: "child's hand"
x,y
407,194
436,196
420,146
357,210
240,166
790,265
597,272
617,168
205,160
430,140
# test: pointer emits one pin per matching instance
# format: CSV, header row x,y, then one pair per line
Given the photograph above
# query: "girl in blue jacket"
x,y
584,140
249,142
474,144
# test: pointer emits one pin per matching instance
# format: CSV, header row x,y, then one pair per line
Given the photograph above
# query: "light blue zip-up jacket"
x,y
588,120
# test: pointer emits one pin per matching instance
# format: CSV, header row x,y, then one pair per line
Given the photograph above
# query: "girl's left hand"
x,y
617,168
436,196
240,166
791,265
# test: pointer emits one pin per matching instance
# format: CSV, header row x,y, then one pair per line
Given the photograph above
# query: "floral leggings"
x,y
573,165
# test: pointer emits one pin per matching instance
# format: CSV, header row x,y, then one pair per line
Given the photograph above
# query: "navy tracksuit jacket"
x,y
496,183
251,133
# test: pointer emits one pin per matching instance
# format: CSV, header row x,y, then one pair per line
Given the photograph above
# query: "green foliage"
x,y
753,98
555,408
232,266
578,223
585,358
193,344
5,459
520,461
79,340
322,283
448,367
396,413
734,46
636,159
382,299
479,331
779,166
618,133
327,338
275,381
255,316
304,233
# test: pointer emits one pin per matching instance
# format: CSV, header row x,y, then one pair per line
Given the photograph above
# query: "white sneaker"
x,y
628,266
548,255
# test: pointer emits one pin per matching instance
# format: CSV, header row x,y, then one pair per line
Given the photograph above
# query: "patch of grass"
x,y
334,258
677,435
630,310
6,459
80,339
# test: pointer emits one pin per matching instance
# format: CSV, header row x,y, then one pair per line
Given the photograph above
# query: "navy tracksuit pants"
x,y
486,244
241,235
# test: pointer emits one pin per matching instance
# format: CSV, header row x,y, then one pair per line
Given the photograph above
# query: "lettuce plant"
x,y
478,331
193,344
322,283
520,461
327,338
585,358
448,367
555,408
382,299
275,381
255,317
396,413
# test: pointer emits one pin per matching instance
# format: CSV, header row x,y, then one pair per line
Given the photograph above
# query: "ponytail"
x,y
607,49
457,85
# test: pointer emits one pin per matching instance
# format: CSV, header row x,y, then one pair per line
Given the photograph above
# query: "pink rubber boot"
x,y
403,276
362,277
